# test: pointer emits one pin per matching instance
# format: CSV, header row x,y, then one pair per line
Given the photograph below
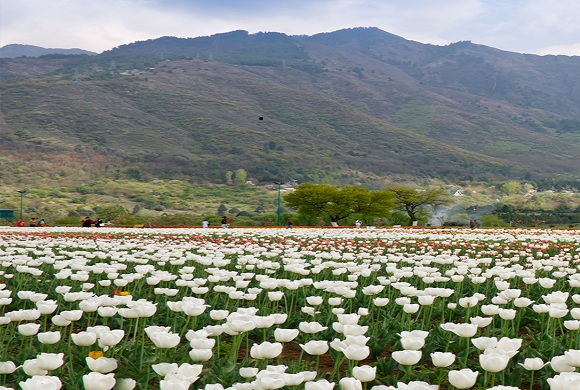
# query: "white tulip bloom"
x,y
407,357
48,337
163,369
266,350
200,354
463,379
103,365
442,359
364,373
533,364
7,367
315,347
28,329
311,327
41,382
285,335
98,381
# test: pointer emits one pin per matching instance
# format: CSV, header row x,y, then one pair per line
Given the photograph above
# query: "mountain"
x,y
16,50
351,106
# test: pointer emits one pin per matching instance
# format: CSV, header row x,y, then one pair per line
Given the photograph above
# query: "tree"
x,y
511,188
111,212
490,220
335,203
240,176
414,201
222,209
229,177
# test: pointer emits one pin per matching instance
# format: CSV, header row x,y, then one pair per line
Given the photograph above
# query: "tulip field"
x,y
253,309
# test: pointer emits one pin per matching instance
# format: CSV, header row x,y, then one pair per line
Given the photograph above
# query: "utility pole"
x,y
278,183
21,192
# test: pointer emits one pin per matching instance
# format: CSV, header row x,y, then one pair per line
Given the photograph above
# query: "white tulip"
x,y
164,369
315,347
311,327
50,361
348,383
493,362
103,365
532,364
98,381
266,350
407,357
364,373
462,379
379,302
28,329
248,372
7,367
442,359
41,382
321,384
32,367
200,354
84,339
125,384
356,352
285,335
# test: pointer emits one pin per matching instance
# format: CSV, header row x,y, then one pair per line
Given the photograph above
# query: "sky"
x,y
523,26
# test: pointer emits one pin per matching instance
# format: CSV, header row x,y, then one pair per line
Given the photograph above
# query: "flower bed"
x,y
305,308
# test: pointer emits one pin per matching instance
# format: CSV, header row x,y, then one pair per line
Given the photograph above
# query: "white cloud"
x,y
568,50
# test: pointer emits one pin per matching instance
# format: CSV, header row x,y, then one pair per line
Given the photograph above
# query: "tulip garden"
x,y
98,309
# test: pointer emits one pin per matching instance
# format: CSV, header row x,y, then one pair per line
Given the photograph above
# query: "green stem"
x,y
408,369
148,374
466,351
337,364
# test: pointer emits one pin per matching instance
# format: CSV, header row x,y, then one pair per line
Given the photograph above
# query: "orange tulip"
x,y
96,354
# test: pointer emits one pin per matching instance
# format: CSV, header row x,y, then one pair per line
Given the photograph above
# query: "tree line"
x,y
336,204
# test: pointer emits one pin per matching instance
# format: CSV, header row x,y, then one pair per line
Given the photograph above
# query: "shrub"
x,y
70,220
491,220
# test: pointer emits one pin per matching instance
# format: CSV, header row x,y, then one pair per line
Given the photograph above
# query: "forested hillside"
x,y
352,106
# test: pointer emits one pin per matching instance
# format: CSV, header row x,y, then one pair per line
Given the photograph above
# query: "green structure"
x,y
6,214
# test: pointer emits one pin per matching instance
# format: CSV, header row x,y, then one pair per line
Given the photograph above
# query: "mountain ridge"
x,y
16,50
355,105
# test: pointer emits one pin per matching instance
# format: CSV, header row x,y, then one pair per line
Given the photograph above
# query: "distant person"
x,y
98,223
225,222
289,224
41,223
87,222
33,222
472,223
205,224
20,223
357,223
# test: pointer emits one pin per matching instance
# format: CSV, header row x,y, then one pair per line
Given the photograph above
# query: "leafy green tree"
x,y
415,202
338,203
229,177
490,220
240,177
398,218
111,212
511,188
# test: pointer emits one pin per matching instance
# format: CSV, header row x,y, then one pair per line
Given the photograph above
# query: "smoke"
x,y
459,214
440,215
